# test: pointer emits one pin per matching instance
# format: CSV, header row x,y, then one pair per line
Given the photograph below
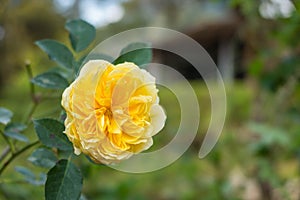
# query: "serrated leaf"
x,y
14,130
138,53
50,133
43,157
5,115
81,34
50,80
57,52
64,182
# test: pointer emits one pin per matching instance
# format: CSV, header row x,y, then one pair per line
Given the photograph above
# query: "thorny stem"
x,y
15,155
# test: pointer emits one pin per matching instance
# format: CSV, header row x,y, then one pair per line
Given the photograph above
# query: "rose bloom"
x,y
112,111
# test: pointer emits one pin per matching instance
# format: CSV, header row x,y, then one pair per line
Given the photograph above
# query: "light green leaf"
x,y
64,182
43,157
30,176
81,34
5,115
138,53
57,52
25,172
269,135
82,197
14,130
50,80
50,133
98,56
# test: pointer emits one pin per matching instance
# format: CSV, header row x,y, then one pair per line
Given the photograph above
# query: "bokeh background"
x,y
256,47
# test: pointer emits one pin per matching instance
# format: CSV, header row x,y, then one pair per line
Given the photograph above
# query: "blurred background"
x,y
256,47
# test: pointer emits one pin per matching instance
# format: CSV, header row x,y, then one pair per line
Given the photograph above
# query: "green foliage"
x,y
100,56
269,137
5,116
64,181
273,64
43,157
81,34
50,80
30,177
138,53
57,52
13,130
50,133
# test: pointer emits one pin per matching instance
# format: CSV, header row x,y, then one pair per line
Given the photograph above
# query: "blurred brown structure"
x,y
219,38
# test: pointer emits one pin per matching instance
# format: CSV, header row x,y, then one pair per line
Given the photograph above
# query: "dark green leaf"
x,y
64,182
50,133
67,74
57,52
62,116
50,80
13,130
81,34
5,115
138,53
43,157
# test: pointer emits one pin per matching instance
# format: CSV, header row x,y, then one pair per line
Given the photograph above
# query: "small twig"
x,y
10,144
4,153
32,110
30,76
15,155
35,99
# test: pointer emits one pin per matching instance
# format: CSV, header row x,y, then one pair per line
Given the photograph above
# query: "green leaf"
x,y
5,115
50,133
64,182
14,130
138,53
269,135
81,34
67,74
30,176
92,56
25,172
43,157
50,80
57,52
98,56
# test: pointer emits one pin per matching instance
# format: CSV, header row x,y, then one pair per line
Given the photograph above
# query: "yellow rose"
x,y
112,111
